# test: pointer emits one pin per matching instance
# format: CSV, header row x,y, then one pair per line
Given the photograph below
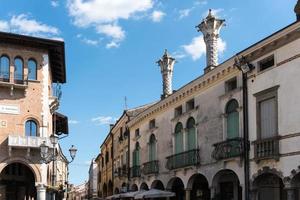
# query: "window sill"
x,y
33,81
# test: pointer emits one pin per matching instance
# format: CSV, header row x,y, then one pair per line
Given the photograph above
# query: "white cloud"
x,y
200,2
73,121
90,42
103,120
54,3
104,15
112,44
197,48
112,30
157,15
184,13
23,24
4,26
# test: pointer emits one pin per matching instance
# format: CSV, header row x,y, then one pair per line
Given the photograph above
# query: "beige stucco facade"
x,y
24,100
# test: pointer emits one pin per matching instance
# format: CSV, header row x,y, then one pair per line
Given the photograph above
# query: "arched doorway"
x,y
198,185
157,184
144,186
134,188
176,185
295,183
117,191
110,188
17,181
104,190
268,186
227,185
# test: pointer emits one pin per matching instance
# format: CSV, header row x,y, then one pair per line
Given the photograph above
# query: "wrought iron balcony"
x,y
228,149
27,141
151,167
135,171
121,171
184,159
266,148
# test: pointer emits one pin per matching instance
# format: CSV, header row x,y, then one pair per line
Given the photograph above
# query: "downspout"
x,y
128,154
244,66
246,137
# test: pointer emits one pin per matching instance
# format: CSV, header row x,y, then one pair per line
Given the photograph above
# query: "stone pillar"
x,y
210,27
41,192
166,64
253,194
188,194
290,194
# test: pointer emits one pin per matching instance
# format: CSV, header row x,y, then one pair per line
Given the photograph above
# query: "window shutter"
x,y
191,139
233,125
268,118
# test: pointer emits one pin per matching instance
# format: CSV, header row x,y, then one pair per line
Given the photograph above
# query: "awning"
x,y
115,196
154,193
60,124
130,194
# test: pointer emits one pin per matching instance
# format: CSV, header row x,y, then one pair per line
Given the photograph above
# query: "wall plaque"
x,y
10,109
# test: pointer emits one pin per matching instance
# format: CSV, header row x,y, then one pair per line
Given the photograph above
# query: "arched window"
x,y
32,69
31,128
152,148
232,119
178,138
18,75
4,69
191,134
136,155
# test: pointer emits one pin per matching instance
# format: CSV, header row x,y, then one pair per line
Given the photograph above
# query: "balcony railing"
x,y
121,171
27,141
184,159
266,148
4,76
151,167
135,171
228,149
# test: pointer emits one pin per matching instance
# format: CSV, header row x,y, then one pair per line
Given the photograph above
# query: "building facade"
x,y
232,133
93,180
28,69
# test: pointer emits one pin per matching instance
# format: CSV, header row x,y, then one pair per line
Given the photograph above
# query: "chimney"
x,y
210,27
297,10
111,126
166,64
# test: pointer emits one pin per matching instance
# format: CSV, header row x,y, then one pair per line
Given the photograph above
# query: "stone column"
x,y
290,194
41,192
253,194
187,194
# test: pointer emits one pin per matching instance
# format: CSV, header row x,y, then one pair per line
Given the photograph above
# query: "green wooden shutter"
x,y
233,125
191,139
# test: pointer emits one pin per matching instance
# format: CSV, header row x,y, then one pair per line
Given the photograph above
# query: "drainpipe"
x,y
128,154
245,67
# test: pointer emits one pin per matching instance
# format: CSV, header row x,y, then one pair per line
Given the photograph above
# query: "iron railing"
x,y
228,149
135,171
184,159
266,148
4,76
151,167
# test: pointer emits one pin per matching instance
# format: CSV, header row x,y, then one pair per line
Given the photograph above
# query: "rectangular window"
x,y
178,111
231,84
190,105
267,115
152,124
266,63
137,132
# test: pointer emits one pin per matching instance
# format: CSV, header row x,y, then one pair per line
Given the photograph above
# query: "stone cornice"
x,y
224,70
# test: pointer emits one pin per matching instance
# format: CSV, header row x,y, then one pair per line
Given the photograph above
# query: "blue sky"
x,y
112,46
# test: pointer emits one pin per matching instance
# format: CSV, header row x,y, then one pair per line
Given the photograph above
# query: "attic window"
x,y
137,132
231,84
266,63
152,124
190,105
178,111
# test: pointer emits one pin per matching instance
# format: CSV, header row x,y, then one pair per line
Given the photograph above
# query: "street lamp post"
x,y
48,157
